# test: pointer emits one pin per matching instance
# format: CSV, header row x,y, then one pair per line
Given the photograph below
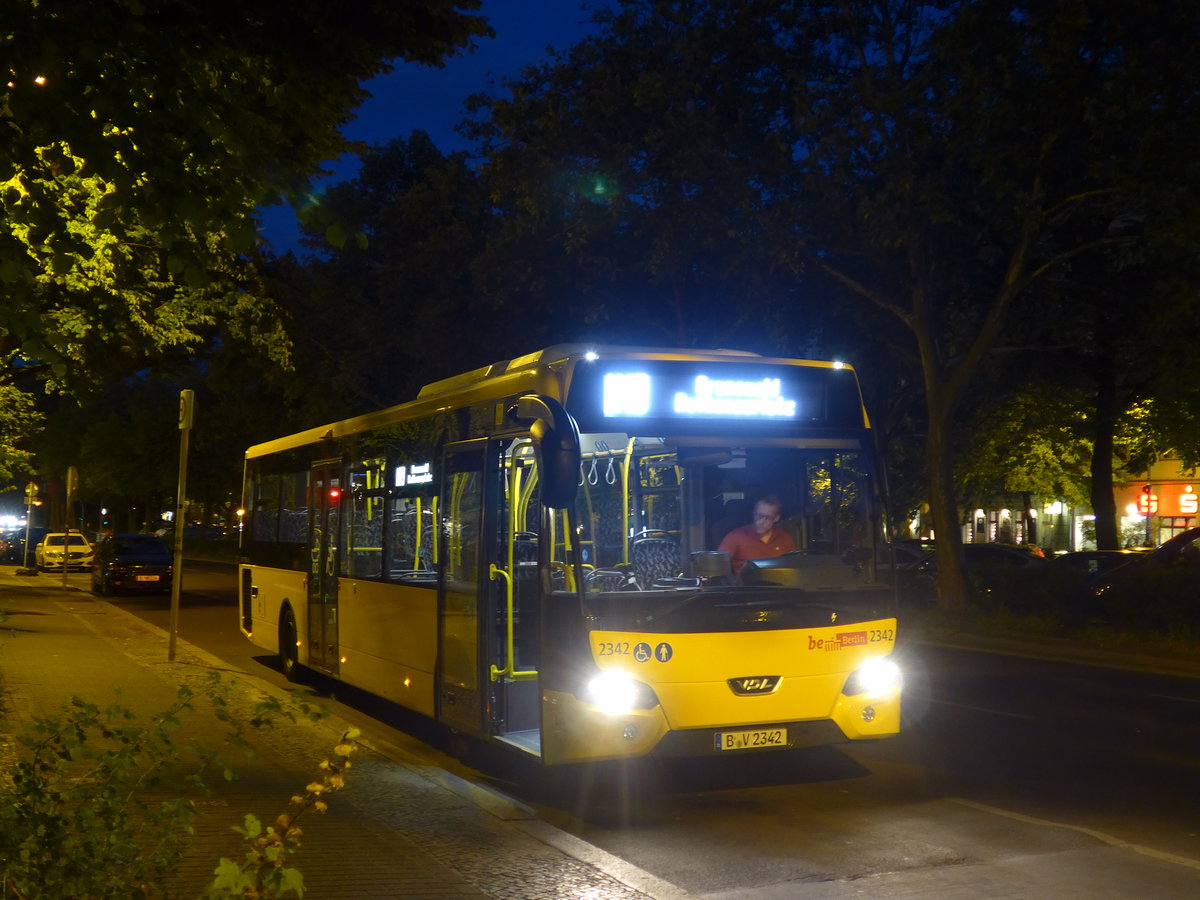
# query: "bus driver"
x,y
760,539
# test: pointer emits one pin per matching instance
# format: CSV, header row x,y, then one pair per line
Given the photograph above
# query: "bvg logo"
x,y
754,684
844,639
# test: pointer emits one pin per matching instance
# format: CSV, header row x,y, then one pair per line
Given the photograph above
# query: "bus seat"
x,y
525,548
654,558
605,580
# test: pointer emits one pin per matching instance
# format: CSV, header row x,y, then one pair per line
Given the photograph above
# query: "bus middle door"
x,y
323,568
465,594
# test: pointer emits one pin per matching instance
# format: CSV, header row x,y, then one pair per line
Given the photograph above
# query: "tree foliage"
x,y
137,140
381,316
944,162
18,418
1034,442
633,175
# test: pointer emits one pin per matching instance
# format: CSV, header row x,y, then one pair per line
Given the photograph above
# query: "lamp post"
x,y
72,486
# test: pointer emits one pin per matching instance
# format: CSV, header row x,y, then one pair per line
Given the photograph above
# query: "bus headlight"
x,y
617,694
875,678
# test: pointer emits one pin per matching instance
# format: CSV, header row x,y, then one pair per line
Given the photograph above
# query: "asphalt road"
x,y
1014,777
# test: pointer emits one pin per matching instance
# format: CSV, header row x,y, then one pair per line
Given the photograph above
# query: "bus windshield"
x,y
654,515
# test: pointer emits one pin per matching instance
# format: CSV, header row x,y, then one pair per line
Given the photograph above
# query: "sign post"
x,y
31,495
187,408
72,485
1148,507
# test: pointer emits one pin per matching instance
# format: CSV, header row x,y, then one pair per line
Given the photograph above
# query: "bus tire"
x,y
289,653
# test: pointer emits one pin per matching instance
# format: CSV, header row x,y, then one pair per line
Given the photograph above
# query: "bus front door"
x,y
323,570
516,588
488,634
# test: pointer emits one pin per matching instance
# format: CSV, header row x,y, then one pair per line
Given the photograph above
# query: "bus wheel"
x,y
289,655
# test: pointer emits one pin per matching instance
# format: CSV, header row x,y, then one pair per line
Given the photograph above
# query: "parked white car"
x,y
49,553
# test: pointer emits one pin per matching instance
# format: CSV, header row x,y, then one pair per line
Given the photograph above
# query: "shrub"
x,y
96,803
263,874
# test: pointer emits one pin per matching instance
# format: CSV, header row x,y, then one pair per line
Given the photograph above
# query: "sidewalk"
x,y
399,829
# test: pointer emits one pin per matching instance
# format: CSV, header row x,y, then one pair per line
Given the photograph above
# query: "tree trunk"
x,y
953,586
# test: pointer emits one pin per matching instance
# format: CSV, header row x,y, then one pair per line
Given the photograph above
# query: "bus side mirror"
x,y
555,446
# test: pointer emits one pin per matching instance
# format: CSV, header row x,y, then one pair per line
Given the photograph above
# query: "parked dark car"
x,y
1092,564
1000,574
13,549
8,546
1157,591
911,551
132,562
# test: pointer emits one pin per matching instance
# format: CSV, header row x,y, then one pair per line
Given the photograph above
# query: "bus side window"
x,y
412,538
364,525
293,509
277,530
264,508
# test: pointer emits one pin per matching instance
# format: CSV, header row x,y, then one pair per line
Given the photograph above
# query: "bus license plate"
x,y
146,577
750,740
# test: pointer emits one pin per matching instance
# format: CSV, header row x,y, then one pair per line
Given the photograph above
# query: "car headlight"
x,y
617,694
874,678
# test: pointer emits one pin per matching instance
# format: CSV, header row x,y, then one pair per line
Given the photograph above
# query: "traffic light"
x,y
1148,501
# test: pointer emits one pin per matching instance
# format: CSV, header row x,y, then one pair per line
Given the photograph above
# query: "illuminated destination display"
x,y
713,397
417,473
632,394
691,396
626,394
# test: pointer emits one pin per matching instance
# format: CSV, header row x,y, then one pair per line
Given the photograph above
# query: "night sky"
x,y
419,97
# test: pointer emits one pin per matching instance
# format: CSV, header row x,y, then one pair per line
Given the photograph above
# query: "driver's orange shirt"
x,y
744,543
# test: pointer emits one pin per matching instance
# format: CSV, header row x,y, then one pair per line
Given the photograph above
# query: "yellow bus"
x,y
529,553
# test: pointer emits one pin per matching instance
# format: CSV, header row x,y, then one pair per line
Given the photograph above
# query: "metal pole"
x,y
30,496
1149,511
72,481
186,409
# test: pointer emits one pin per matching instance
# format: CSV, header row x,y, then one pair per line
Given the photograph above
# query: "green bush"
x,y
99,805
263,873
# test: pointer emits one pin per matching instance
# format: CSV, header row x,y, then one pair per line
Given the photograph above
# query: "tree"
x,y
962,183
384,314
941,161
136,142
1127,363
630,174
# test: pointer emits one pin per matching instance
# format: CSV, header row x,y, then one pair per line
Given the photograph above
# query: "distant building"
x,y
1151,509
